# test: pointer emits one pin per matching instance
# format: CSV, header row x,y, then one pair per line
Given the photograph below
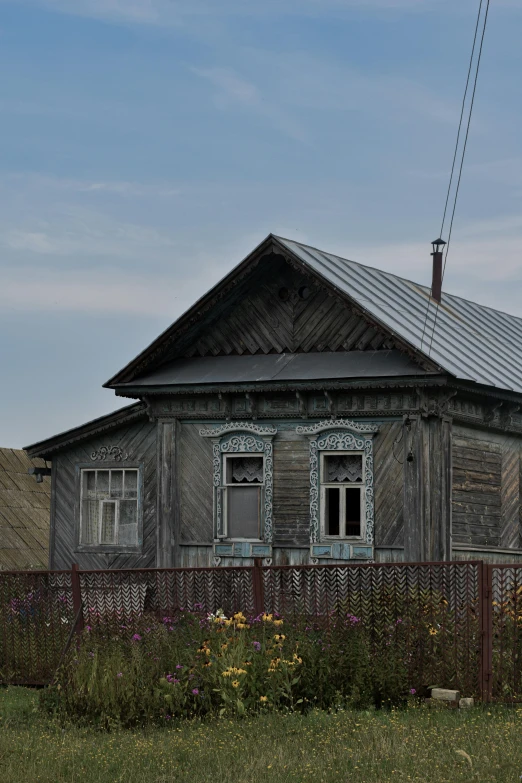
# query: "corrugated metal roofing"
x,y
280,367
470,341
24,512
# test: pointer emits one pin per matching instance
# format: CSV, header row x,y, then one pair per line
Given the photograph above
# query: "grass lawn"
x,y
412,745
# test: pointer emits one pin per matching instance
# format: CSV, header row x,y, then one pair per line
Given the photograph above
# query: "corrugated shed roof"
x,y
470,341
24,512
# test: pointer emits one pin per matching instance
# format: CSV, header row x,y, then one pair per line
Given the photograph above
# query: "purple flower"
x,y
120,674
412,691
257,646
91,655
88,628
179,666
136,638
195,691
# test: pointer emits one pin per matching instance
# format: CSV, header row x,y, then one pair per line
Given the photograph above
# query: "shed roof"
x,y
24,512
279,367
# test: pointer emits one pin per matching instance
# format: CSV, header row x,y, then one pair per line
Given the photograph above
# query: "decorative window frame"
x,y
101,463
340,435
242,438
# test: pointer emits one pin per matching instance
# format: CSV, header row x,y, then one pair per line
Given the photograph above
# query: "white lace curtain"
x,y
345,467
247,469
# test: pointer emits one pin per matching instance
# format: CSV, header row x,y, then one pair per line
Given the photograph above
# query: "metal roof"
x,y
279,367
470,341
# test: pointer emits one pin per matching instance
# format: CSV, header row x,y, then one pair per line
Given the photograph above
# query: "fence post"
x,y
486,662
77,596
257,583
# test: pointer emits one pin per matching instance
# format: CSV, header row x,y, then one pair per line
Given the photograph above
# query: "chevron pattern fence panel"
x,y
506,632
428,615
118,597
36,618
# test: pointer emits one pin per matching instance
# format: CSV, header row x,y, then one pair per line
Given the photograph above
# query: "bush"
x,y
195,666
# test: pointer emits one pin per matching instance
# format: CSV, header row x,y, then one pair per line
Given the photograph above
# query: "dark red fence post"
x,y
486,662
77,597
257,583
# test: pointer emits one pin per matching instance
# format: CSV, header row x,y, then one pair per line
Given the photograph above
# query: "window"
x,y
242,490
109,508
342,494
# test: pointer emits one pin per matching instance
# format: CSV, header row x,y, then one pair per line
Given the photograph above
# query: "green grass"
x,y
367,747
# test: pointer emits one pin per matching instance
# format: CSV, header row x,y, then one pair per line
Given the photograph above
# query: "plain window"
x,y
109,508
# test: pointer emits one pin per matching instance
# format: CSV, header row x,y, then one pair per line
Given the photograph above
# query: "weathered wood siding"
x,y
388,483
486,489
291,487
139,441
196,488
261,322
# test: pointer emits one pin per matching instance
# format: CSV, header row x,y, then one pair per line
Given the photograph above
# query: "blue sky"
x,y
148,145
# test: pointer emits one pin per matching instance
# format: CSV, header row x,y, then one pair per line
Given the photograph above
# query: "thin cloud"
x,y
233,91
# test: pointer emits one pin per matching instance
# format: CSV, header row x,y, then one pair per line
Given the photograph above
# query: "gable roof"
x,y
469,341
24,512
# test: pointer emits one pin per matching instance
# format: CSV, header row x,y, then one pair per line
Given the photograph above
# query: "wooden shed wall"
x,y
139,441
486,488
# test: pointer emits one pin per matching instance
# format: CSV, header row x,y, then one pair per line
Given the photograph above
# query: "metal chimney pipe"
x,y
436,280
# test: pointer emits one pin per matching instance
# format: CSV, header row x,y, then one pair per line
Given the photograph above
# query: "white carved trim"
x,y
237,426
341,441
357,427
241,442
114,453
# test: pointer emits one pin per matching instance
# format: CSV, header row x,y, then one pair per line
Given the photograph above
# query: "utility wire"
x,y
461,167
455,158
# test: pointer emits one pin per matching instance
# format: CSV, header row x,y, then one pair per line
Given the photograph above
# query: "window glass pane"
x,y
116,483
127,535
244,470
89,484
347,468
89,525
332,511
108,523
353,511
128,512
131,483
243,507
102,483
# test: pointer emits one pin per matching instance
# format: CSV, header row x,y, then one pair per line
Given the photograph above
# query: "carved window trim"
x,y
340,435
242,438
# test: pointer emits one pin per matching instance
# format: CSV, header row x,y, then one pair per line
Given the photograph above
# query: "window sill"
x,y
109,550
341,550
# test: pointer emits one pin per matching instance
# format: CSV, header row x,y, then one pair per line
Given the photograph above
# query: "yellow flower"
x,y
266,618
235,683
224,646
278,622
240,617
208,663
263,698
433,632
279,637
242,625
227,674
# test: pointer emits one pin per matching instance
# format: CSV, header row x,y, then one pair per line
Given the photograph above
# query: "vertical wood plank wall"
x,y
139,441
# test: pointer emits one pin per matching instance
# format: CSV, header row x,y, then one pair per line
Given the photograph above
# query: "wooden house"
x,y
24,511
306,409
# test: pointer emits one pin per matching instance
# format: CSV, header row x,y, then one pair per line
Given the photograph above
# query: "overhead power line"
x,y
462,156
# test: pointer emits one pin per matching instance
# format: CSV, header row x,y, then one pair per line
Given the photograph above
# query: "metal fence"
x,y
453,624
